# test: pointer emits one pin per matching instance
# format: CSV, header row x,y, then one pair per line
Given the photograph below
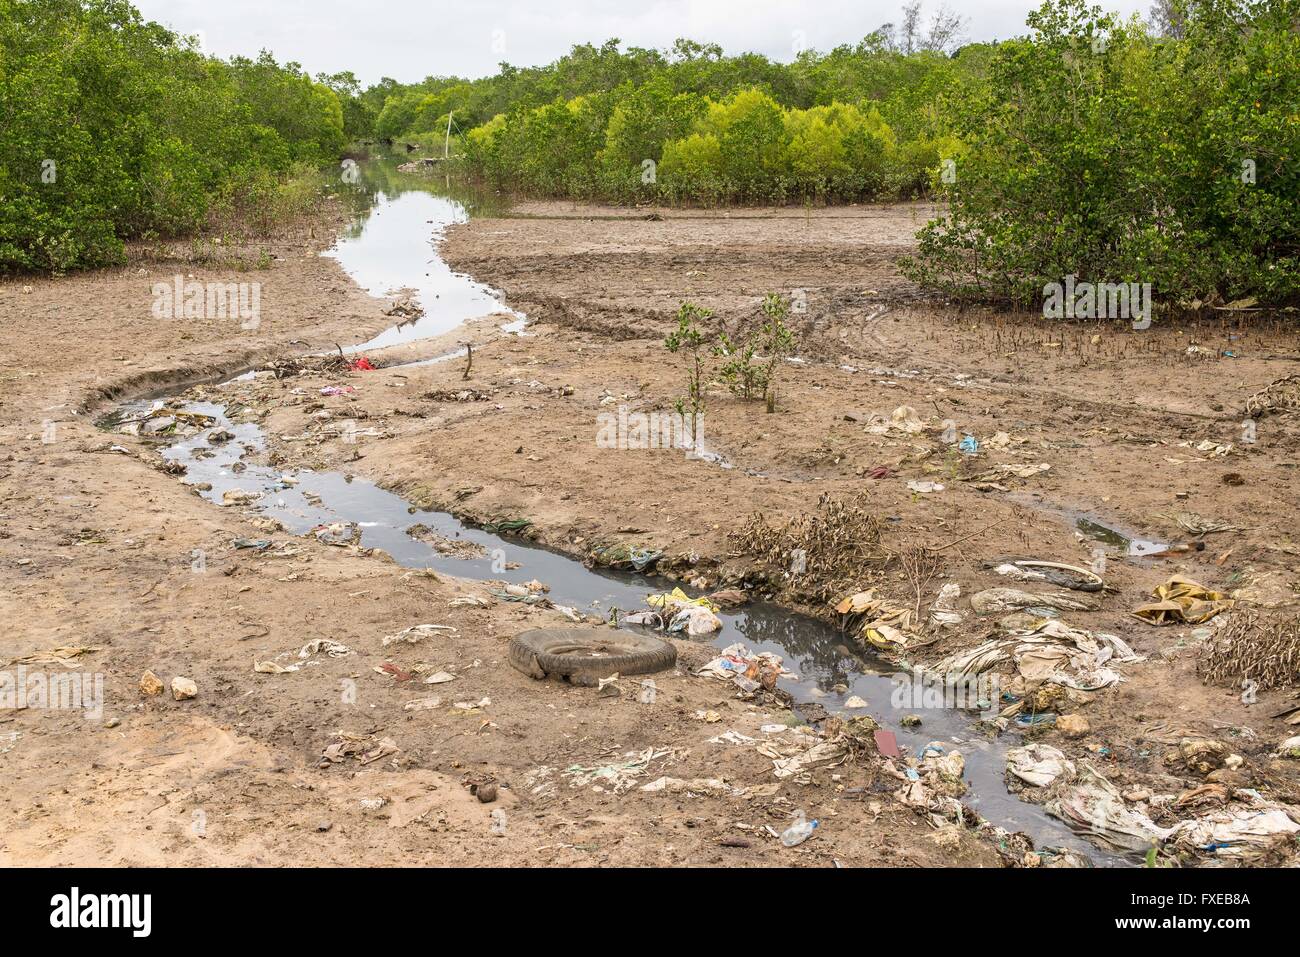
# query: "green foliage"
x,y
114,128
689,124
689,338
1098,150
751,362
776,342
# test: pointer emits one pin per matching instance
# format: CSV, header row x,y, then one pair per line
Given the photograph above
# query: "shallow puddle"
x,y
1132,546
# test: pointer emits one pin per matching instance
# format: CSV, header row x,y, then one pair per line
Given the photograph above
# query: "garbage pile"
x,y
1243,824
749,672
1052,652
163,420
676,612
879,622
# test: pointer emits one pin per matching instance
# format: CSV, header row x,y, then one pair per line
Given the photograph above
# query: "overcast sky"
x,y
411,39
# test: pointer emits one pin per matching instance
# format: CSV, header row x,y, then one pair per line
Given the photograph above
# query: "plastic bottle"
x,y
799,831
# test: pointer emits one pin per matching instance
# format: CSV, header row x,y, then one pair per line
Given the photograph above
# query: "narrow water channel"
x,y
394,246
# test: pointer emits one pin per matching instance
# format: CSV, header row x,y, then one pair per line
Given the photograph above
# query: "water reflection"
x,y
390,248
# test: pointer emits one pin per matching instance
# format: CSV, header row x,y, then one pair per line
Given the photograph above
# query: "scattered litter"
x,y
925,487
55,656
422,704
364,748
731,737
1023,471
695,622
1198,524
886,743
416,633
691,786
943,612
1039,764
615,777
271,668
239,496
470,707
255,544
507,525
333,649
622,556
729,598
884,624
902,420
799,831
1095,807
1053,652
743,668
992,600
1182,601
1056,573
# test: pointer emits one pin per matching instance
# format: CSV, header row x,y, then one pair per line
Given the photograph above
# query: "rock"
x,y
151,684
911,721
855,702
1073,725
183,688
486,793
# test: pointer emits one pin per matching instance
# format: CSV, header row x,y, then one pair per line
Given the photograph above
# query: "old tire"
x,y
585,655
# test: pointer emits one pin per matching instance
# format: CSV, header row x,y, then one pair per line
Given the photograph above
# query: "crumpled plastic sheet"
x,y
1051,652
1039,765
1093,806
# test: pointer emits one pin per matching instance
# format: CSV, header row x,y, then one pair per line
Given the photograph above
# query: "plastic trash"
x,y
799,831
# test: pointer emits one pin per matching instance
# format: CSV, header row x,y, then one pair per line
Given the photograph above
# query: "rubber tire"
x,y
566,652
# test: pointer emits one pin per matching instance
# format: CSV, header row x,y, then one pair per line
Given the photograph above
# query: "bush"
x,y
1100,151
115,128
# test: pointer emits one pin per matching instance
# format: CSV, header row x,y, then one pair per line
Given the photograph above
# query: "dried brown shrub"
x,y
816,556
1252,646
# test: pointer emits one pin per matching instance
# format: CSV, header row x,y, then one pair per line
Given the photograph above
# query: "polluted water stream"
x,y
829,669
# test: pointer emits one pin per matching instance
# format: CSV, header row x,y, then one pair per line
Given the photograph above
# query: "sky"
x,y
411,39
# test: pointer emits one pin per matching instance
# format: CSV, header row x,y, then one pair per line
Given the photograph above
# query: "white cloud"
x,y
411,39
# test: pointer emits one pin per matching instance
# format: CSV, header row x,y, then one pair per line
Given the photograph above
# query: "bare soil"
x,y
97,545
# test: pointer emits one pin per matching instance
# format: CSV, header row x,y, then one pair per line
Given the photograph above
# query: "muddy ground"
x,y
97,545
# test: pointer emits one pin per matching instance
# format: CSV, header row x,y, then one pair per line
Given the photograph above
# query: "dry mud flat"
x,y
1143,432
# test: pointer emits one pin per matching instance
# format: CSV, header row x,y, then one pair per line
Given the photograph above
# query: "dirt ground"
x,y
97,545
